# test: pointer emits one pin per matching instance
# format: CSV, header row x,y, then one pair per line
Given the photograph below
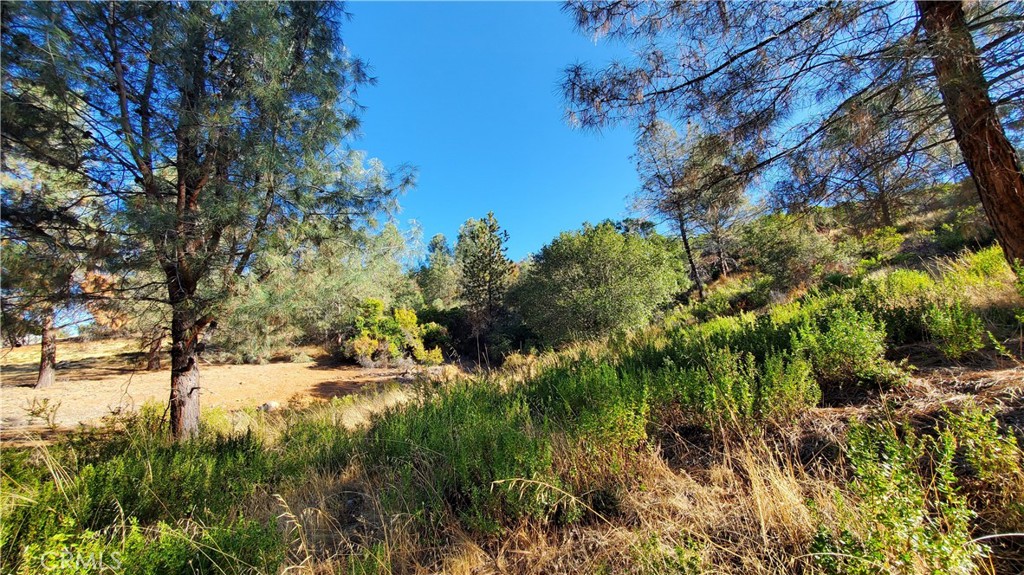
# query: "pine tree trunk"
x,y
723,264
886,211
48,357
989,156
689,258
184,404
153,356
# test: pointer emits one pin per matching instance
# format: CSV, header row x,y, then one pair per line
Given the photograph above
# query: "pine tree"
x,y
209,127
486,272
776,77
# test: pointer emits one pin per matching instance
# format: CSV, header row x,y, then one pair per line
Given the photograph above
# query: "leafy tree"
x,y
774,77
720,215
588,283
486,272
438,277
210,126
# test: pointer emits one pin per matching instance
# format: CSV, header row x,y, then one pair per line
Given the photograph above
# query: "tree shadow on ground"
x,y
24,374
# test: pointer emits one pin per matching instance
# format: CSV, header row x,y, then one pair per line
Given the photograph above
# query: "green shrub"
x,y
908,515
883,242
956,330
592,399
786,248
966,227
589,283
900,299
991,467
381,338
846,346
137,474
984,268
876,249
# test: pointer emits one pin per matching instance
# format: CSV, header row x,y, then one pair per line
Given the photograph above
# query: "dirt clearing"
x,y
95,379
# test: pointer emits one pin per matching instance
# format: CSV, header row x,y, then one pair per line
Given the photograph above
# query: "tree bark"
x,y
989,155
153,356
48,357
184,403
886,210
689,258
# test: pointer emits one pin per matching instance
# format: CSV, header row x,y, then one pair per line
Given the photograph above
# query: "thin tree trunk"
x,y
989,156
153,356
689,258
184,404
48,355
886,210
723,265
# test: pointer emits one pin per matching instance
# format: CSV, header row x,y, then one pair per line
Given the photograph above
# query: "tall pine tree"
x,y
210,125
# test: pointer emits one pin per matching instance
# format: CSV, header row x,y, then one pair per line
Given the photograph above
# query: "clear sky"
x,y
469,94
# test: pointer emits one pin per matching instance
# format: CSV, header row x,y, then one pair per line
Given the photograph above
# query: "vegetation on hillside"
x,y
696,442
805,355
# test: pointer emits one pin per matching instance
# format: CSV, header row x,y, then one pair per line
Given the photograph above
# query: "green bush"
x,y
908,515
876,249
787,248
956,330
734,296
381,338
241,547
591,398
985,268
846,346
991,467
93,482
966,227
900,299
589,283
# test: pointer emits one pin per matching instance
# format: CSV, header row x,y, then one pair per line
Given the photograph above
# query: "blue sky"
x,y
468,93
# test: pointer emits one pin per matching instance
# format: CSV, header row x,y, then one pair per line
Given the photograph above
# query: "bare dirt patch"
x,y
95,379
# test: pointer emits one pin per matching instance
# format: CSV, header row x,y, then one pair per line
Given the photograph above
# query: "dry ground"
x,y
95,379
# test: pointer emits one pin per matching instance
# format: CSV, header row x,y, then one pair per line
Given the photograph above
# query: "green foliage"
x,y
734,295
842,344
991,467
909,514
654,557
900,299
594,400
486,272
787,248
239,548
984,268
438,277
139,475
878,248
589,283
967,227
313,294
381,338
956,329
846,346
